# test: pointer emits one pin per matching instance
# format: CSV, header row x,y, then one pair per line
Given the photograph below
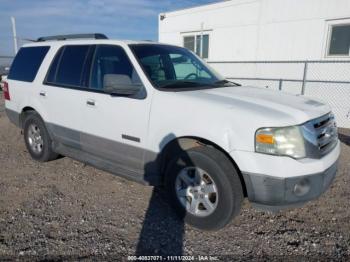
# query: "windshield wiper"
x,y
180,84
225,81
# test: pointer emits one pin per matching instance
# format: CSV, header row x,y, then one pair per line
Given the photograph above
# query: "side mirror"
x,y
116,84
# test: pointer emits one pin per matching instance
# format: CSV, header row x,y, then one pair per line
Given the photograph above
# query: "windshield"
x,y
170,67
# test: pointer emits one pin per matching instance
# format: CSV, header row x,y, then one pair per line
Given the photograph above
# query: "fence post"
x,y
304,78
280,85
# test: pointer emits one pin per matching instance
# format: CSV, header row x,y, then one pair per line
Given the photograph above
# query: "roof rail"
x,y
73,36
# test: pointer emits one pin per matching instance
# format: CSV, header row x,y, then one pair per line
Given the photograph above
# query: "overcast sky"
x,y
123,19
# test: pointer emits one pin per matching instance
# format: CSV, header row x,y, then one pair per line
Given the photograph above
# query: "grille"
x,y
320,136
326,133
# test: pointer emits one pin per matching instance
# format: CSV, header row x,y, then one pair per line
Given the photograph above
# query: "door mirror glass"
x,y
118,84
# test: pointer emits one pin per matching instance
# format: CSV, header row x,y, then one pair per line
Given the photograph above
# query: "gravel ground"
x,y
67,210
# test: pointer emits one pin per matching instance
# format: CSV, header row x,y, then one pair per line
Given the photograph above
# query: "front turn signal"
x,y
265,139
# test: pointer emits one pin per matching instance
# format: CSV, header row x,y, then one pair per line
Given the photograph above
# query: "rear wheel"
x,y
37,139
204,188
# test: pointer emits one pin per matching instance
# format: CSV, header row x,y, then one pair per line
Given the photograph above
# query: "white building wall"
x,y
259,29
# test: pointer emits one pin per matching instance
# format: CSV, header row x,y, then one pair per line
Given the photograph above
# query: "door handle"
x,y
42,93
90,102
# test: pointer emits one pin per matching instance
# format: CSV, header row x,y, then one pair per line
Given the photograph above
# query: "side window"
x,y
51,76
71,65
339,42
112,60
27,63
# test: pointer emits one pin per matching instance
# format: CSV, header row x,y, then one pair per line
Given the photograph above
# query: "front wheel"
x,y
204,187
37,139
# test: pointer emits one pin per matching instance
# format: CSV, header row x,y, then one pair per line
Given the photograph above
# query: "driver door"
x,y
115,127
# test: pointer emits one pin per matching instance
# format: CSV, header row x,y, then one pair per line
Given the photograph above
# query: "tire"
x,y
214,166
35,133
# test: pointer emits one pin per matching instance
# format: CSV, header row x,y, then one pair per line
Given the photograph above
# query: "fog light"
x,y
302,187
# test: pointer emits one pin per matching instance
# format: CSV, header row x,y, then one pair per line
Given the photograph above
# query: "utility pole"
x,y
13,21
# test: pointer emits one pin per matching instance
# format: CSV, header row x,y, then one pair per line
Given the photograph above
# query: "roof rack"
x,y
73,36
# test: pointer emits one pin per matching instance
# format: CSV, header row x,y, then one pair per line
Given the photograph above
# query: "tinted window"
x,y
71,67
205,46
174,67
27,63
112,60
340,40
189,42
154,67
51,77
183,67
198,45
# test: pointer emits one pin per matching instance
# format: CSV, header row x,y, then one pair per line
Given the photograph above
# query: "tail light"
x,y
6,91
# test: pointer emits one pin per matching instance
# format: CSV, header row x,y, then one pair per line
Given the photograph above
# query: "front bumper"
x,y
273,192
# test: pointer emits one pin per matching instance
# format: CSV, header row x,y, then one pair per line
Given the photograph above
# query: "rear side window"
x,y
71,65
51,77
27,63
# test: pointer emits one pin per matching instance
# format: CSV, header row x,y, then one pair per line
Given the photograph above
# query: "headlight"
x,y
282,141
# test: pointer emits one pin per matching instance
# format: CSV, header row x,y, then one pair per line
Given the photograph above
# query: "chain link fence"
x,y
328,81
5,62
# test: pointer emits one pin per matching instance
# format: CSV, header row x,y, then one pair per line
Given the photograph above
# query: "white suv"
x,y
157,114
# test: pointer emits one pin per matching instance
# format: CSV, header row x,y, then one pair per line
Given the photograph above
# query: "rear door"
x,y
63,93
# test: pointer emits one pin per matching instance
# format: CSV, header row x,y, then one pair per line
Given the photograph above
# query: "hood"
x,y
269,105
